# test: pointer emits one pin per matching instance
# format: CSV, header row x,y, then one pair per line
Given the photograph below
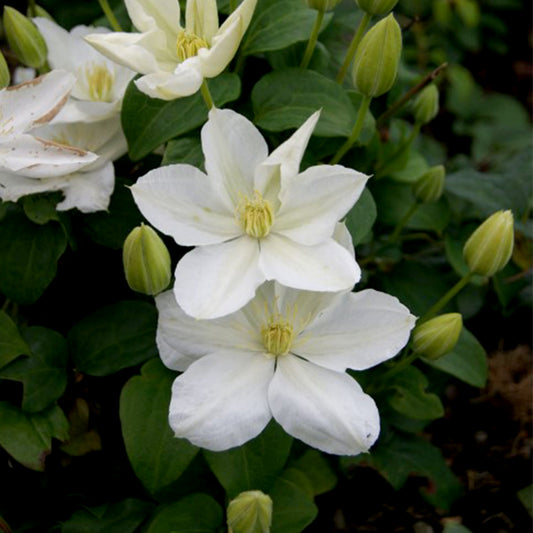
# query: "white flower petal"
x,y
213,281
170,85
179,201
201,18
244,12
221,401
312,202
87,111
323,267
233,147
325,409
149,14
181,339
360,331
344,237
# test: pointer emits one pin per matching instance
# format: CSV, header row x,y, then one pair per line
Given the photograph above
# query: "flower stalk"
x,y
110,16
206,95
404,220
311,44
350,53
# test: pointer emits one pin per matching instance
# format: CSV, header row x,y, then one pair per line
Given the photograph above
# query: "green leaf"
x,y
44,372
415,167
28,437
285,99
467,361
451,527
293,508
185,150
277,24
317,469
158,458
197,513
11,343
150,122
361,217
114,337
121,517
41,208
410,397
28,257
254,465
526,497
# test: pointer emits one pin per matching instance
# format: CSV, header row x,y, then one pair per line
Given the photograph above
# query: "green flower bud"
x,y
468,11
426,104
24,38
4,72
146,261
490,247
376,61
376,7
430,186
250,512
322,5
39,12
438,336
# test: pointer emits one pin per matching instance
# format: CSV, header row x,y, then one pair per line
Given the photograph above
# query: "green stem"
x,y
380,172
399,366
31,8
361,114
410,212
463,282
350,53
208,99
108,12
312,40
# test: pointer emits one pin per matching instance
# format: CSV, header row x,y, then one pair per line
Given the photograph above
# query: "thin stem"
x,y
410,94
359,123
110,16
208,99
399,366
350,53
410,212
312,40
463,282
32,9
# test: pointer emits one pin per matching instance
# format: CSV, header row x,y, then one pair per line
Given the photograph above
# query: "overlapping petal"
x,y
182,82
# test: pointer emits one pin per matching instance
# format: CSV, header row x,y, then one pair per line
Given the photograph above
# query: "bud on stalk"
x,y
250,512
376,7
426,104
4,72
429,187
438,336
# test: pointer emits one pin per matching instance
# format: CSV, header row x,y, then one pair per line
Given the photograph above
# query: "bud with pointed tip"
x,y
146,261
377,7
438,336
490,247
430,186
39,12
426,104
376,61
4,72
250,512
24,38
322,5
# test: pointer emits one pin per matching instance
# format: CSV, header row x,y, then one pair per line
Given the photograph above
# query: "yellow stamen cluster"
x,y
256,216
100,82
277,335
188,44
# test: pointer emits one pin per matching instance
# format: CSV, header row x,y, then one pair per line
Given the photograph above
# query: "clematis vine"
x,y
175,59
253,217
282,356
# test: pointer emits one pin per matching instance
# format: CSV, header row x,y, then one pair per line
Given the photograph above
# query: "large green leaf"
x,y
114,337
317,469
254,465
157,457
43,372
150,122
28,257
285,99
467,361
11,343
187,150
28,437
361,217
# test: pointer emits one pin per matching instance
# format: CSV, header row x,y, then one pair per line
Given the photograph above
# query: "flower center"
x,y
188,44
100,82
277,335
256,216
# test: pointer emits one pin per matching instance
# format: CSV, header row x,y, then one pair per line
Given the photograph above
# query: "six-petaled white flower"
x,y
252,218
175,59
283,355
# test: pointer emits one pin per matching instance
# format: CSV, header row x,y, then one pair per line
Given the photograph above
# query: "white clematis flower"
x,y
175,59
282,356
100,83
25,107
253,217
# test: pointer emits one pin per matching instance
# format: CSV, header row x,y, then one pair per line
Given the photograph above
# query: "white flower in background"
x,y
282,356
253,217
89,188
175,59
100,83
24,108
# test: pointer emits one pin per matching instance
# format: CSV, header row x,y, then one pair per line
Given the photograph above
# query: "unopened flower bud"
x,y
376,61
4,72
322,5
24,38
377,7
489,248
438,336
146,261
39,12
430,186
250,512
426,104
